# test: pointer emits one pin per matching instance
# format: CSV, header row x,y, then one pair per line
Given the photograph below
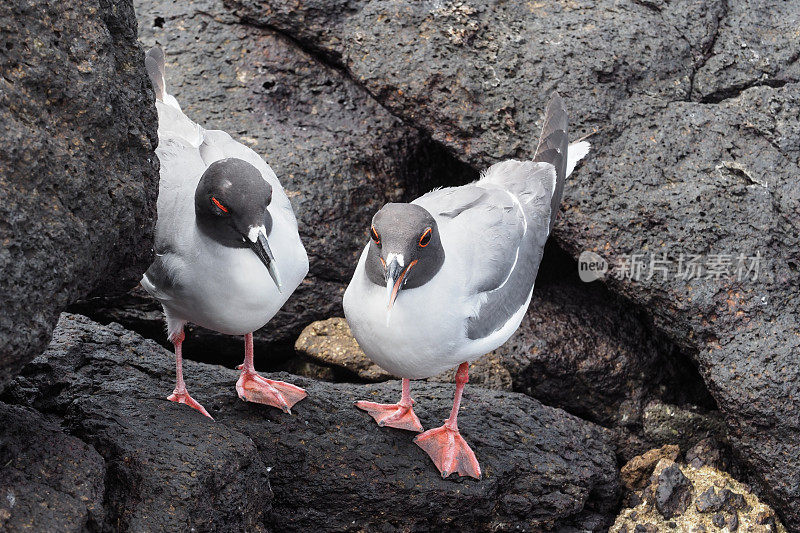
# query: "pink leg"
x,y
180,393
253,388
445,446
395,415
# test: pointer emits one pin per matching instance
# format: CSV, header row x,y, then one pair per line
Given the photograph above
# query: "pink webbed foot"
x,y
184,398
449,452
253,388
394,415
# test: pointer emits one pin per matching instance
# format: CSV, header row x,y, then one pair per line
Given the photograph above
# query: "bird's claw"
x,y
253,388
394,415
184,398
449,452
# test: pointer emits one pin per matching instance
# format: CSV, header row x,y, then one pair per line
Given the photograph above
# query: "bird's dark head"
x,y
230,205
405,249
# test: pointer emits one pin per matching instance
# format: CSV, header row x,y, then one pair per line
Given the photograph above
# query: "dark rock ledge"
x,y
78,178
98,392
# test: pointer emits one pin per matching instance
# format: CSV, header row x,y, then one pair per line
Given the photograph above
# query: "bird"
x,y
448,277
227,248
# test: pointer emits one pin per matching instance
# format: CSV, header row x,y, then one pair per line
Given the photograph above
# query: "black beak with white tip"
x,y
394,278
405,250
260,247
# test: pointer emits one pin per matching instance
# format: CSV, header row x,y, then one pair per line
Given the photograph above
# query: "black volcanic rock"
x,y
78,179
49,481
329,466
673,492
584,349
477,75
696,153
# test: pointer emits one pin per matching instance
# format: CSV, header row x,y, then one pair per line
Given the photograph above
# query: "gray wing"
x,y
501,224
181,168
485,226
160,281
553,147
154,63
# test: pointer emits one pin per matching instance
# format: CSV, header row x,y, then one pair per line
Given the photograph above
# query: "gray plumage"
x,y
218,202
502,238
492,236
154,63
553,147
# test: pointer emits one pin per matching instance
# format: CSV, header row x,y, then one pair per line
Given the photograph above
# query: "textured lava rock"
x,y
582,348
467,71
332,467
78,178
673,492
664,423
683,498
744,330
50,481
330,342
339,154
635,474
697,153
161,471
712,501
752,47
709,452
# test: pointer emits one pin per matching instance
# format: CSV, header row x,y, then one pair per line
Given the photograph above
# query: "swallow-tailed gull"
x,y
449,276
228,252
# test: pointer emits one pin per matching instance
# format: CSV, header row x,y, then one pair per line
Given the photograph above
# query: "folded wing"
x,y
500,224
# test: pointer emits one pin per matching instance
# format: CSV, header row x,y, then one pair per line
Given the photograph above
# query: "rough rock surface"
x,y
585,350
696,154
49,481
330,342
77,176
636,472
708,452
695,500
328,463
665,423
339,154
673,492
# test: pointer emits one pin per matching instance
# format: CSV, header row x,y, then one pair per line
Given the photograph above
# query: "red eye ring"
x,y
426,237
375,236
219,204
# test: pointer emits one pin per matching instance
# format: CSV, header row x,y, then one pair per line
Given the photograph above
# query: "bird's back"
x,y
497,227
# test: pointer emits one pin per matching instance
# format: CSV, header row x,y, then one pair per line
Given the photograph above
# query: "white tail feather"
x,y
575,153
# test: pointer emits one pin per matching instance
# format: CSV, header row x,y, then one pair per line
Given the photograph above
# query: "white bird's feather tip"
x,y
575,153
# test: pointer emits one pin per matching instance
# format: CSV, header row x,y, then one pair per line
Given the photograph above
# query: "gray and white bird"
x,y
228,252
449,276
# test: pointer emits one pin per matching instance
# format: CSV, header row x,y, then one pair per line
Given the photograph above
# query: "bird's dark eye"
x,y
219,205
374,234
426,238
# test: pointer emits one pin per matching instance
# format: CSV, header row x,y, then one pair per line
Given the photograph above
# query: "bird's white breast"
x,y
426,332
230,290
